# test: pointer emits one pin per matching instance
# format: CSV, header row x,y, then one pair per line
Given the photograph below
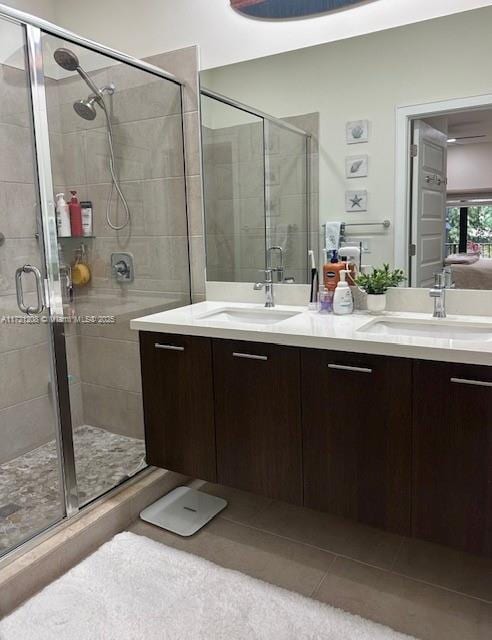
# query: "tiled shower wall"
x,y
235,204
26,414
104,361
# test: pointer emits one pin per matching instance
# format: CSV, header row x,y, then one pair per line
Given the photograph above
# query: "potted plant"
x,y
377,283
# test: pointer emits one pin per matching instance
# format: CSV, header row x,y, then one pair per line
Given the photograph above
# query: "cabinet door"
x,y
453,455
177,390
357,436
257,413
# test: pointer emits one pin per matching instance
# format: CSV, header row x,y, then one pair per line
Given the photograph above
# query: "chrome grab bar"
x,y
168,347
475,383
343,367
28,268
249,356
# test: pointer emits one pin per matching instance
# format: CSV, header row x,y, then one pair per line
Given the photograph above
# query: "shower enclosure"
x,y
77,116
257,176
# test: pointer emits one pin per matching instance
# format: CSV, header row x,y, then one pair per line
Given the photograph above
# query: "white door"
x,y
428,203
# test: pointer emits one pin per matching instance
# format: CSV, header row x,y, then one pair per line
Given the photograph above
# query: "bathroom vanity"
x,y
355,416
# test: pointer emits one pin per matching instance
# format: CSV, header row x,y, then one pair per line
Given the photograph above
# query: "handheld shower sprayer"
x,y
86,109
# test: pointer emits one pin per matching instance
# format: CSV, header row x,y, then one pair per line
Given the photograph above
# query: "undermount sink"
x,y
440,329
249,316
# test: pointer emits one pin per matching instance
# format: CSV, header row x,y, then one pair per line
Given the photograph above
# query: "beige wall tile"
x,y
113,409
110,363
26,426
17,157
183,63
24,374
19,200
15,104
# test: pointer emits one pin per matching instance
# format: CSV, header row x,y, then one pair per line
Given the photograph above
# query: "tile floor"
x,y
30,488
428,591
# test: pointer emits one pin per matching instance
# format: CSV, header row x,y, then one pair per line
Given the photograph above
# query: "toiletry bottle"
x,y
343,303
62,217
75,215
325,299
331,272
86,218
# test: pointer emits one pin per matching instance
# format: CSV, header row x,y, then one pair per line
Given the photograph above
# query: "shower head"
x,y
66,59
85,108
69,61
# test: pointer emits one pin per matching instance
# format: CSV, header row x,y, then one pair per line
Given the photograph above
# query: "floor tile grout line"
x,y
397,554
361,562
323,578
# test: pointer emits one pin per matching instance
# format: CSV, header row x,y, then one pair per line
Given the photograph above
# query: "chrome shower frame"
x,y
268,120
34,28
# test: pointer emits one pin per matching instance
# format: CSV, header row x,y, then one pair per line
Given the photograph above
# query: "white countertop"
x,y
313,330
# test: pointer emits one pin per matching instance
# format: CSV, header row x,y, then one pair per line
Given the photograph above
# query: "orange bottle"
x,y
331,272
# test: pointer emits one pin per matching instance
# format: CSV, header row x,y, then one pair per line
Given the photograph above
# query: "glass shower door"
x,y
30,471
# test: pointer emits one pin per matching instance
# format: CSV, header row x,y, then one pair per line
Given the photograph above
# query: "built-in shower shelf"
x,y
78,238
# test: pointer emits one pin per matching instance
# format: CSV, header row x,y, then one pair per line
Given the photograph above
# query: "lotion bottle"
x,y
331,271
343,303
62,217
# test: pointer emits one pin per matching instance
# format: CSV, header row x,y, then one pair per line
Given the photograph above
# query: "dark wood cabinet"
x,y
452,477
258,418
394,443
357,426
178,401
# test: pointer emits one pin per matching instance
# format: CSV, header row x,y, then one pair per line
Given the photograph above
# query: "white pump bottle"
x,y
62,217
343,302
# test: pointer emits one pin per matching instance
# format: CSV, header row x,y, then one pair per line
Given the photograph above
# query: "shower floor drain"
x,y
183,511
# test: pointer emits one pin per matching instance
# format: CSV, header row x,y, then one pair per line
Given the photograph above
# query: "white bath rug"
x,y
133,588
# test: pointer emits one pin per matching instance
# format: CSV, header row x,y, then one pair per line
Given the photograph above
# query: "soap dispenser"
x,y
331,271
343,303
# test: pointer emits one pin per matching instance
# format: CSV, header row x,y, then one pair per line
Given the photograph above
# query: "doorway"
x,y
444,191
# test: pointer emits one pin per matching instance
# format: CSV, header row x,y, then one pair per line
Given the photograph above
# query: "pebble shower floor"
x,y
29,485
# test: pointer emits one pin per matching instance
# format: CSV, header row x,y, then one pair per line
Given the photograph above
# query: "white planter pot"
x,y
376,303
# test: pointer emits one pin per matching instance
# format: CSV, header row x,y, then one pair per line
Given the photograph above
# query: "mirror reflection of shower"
x,y
86,109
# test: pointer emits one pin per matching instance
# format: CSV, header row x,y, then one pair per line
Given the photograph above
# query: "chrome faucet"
x,y
268,285
438,292
279,270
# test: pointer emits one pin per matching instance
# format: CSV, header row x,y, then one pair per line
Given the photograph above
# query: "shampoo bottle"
x,y
62,217
343,303
75,215
86,208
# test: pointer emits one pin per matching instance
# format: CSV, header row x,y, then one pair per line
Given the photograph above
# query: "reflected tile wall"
x,y
234,181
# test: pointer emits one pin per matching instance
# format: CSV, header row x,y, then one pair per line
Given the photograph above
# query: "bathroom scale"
x,y
183,511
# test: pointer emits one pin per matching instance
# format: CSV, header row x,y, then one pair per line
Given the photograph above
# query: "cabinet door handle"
x,y
168,347
343,367
249,356
475,383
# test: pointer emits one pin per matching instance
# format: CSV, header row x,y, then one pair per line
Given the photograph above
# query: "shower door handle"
x,y
28,268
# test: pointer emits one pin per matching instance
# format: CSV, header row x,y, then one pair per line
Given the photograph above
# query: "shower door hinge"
x,y
413,150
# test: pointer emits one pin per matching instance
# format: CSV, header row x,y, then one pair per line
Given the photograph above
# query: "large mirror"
x,y
383,142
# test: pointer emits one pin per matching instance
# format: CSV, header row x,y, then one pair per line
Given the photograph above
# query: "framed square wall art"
x,y
356,166
357,131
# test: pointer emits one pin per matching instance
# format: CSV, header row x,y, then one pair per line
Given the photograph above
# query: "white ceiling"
x,y
467,124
